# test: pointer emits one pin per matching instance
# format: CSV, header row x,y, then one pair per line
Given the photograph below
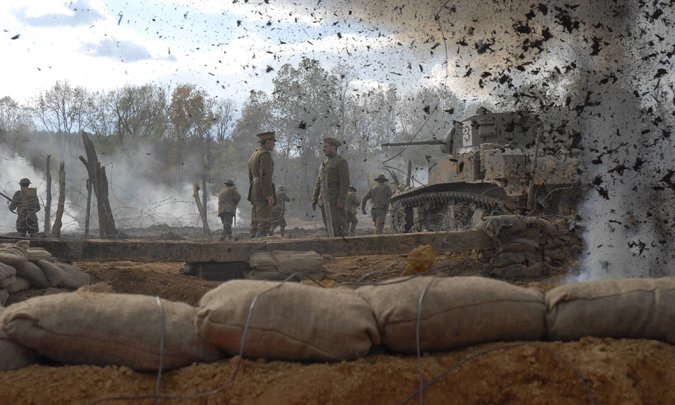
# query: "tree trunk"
x,y
88,211
56,230
99,182
200,207
48,198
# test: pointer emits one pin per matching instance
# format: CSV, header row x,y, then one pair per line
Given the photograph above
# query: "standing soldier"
x,y
330,190
25,203
279,212
380,195
261,189
227,207
351,207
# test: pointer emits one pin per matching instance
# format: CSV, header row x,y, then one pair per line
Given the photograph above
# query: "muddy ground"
x,y
592,370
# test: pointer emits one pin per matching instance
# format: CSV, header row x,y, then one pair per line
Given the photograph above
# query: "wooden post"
x,y
48,201
56,230
200,208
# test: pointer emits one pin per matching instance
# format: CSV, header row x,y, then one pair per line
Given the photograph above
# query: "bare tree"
x,y
224,120
61,110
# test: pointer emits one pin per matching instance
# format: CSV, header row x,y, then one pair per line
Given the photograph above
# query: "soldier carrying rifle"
x,y
25,205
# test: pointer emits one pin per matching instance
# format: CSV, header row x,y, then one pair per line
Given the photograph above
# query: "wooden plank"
x,y
237,251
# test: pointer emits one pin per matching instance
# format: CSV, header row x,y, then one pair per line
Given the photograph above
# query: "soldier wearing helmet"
x,y
26,204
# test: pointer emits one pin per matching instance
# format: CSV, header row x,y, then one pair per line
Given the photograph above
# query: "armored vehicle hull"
x,y
494,163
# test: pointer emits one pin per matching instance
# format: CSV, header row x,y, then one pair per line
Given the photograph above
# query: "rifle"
x,y
9,200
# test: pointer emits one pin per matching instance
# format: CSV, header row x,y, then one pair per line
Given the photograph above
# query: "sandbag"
x,y
13,356
7,275
19,284
13,254
52,272
455,311
73,276
265,275
308,263
630,308
108,329
34,254
4,295
501,227
63,275
289,321
31,272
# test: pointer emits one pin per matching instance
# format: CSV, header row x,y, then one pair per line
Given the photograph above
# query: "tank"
x,y
488,167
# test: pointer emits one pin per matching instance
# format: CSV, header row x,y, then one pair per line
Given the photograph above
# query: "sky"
x,y
609,62
228,48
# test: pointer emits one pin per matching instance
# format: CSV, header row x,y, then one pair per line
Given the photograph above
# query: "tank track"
x,y
455,197
493,205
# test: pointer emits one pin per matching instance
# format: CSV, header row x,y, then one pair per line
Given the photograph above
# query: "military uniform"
x,y
25,203
380,195
228,199
260,171
351,208
279,212
335,171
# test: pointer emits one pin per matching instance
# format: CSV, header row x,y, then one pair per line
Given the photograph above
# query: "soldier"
x,y
351,207
279,212
25,203
380,195
330,190
228,199
261,189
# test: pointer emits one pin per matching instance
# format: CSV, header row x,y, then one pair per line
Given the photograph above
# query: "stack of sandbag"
x,y
628,308
285,265
108,329
23,267
525,247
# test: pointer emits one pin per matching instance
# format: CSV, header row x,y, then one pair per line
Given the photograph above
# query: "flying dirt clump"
x,y
419,260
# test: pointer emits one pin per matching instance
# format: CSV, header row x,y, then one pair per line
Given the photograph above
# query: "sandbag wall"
x,y
23,267
291,321
525,246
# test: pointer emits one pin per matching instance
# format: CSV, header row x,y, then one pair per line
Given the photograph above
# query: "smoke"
x,y
14,167
136,196
603,70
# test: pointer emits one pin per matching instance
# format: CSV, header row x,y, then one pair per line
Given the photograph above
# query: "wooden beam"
x,y
237,251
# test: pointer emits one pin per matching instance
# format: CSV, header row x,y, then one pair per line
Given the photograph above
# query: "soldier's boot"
x,y
379,226
352,228
282,231
260,234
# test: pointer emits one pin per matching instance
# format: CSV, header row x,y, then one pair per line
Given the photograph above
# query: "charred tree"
x,y
56,229
99,182
88,210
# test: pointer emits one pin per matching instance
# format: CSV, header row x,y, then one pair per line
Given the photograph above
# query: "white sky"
x,y
224,47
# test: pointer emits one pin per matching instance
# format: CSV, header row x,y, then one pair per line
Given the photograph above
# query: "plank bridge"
x,y
195,251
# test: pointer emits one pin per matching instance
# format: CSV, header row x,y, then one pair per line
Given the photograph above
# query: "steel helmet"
x,y
24,181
